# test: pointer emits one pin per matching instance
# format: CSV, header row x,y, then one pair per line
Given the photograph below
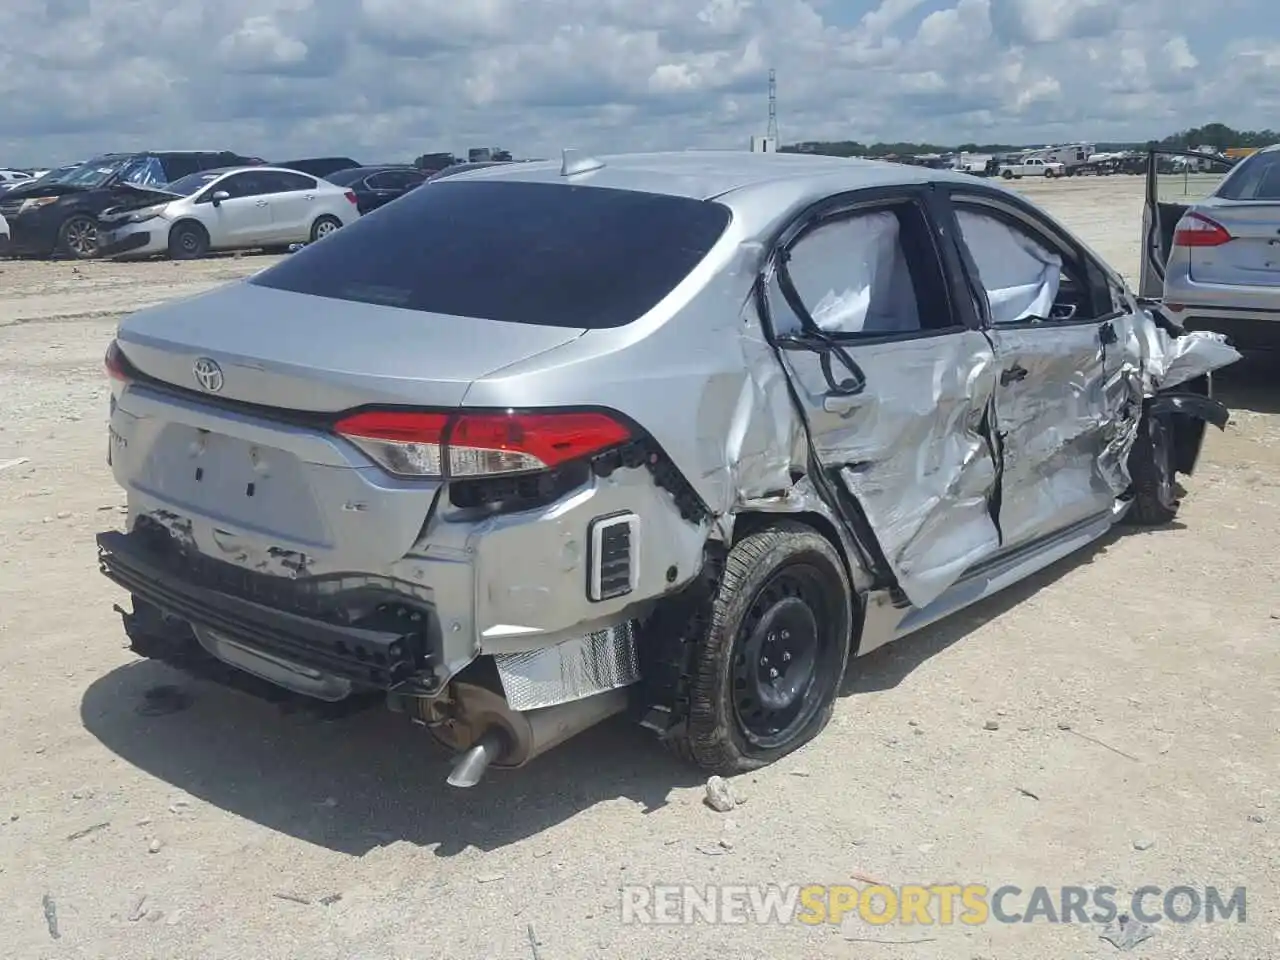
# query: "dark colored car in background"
x,y
376,186
59,213
319,166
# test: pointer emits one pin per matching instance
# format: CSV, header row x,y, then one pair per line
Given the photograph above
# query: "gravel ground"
x,y
1112,721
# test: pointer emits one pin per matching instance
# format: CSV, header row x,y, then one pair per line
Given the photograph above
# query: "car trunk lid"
x,y
298,352
263,481
1252,256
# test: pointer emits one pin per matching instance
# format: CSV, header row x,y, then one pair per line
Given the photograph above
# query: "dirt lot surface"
x,y
1115,721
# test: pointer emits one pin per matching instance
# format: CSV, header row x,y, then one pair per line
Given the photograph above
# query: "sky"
x,y
385,80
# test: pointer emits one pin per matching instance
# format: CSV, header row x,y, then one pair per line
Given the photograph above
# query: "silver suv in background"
x,y
1211,243
227,209
676,433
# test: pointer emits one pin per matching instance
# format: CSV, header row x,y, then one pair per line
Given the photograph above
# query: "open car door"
x,y
1176,179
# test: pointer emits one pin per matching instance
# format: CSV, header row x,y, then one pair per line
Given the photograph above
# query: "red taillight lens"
x,y
406,443
414,444
117,366
484,444
351,195
1197,230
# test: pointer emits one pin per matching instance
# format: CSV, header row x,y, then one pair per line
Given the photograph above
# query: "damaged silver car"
x,y
674,434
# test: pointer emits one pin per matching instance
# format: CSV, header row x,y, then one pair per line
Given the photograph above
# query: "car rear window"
x,y
540,253
1256,177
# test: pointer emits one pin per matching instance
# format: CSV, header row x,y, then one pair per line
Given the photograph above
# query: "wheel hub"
x,y
776,661
782,648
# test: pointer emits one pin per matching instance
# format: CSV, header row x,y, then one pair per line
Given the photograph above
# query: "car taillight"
x,y
351,195
1197,230
118,367
421,444
405,443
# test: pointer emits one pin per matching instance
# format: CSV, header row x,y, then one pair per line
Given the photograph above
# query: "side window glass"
x,y
852,276
1022,277
381,181
240,185
290,182
145,172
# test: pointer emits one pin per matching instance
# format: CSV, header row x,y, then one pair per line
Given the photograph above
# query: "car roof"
x,y
379,168
708,174
254,168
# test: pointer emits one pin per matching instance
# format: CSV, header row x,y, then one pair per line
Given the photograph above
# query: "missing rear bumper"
x,y
382,650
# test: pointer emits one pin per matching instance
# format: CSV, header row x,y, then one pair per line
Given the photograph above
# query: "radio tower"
x,y
772,131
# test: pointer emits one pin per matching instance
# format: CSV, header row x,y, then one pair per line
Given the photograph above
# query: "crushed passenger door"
x,y
895,390
1063,401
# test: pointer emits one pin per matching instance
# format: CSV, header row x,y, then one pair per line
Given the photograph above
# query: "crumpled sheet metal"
x,y
763,438
916,460
1177,360
1058,425
600,661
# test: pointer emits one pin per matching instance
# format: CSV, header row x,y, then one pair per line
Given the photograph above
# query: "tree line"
x,y
1216,135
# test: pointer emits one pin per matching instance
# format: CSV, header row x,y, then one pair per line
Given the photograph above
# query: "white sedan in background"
x,y
4,236
234,208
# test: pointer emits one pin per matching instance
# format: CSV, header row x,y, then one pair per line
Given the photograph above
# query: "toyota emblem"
x,y
208,374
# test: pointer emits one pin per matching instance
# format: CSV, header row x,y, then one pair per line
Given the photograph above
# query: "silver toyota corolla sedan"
x,y
228,209
679,434
1212,243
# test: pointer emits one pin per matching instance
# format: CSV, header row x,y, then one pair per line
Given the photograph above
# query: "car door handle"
x,y
308,196
1012,375
261,203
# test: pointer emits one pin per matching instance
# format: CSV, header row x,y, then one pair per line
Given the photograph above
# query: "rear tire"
x,y
1008,174
767,672
188,241
324,226
78,237
1151,469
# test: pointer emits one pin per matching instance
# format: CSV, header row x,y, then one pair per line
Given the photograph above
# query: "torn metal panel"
x,y
1059,423
904,424
1067,408
803,497
1192,355
764,442
601,660
911,450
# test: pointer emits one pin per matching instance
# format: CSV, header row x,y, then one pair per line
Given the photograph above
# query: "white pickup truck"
x,y
1032,167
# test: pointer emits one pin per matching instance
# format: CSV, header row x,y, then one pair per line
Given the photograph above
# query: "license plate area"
x,y
251,487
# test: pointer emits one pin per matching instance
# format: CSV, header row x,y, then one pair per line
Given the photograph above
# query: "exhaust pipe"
x,y
492,734
470,767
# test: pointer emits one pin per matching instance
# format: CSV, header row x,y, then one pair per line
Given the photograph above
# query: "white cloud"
x,y
387,79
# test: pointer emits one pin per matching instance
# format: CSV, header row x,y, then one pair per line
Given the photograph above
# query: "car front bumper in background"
x,y
133,239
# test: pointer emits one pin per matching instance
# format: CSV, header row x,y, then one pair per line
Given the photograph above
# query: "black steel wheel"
x,y
188,241
767,672
1152,470
78,237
